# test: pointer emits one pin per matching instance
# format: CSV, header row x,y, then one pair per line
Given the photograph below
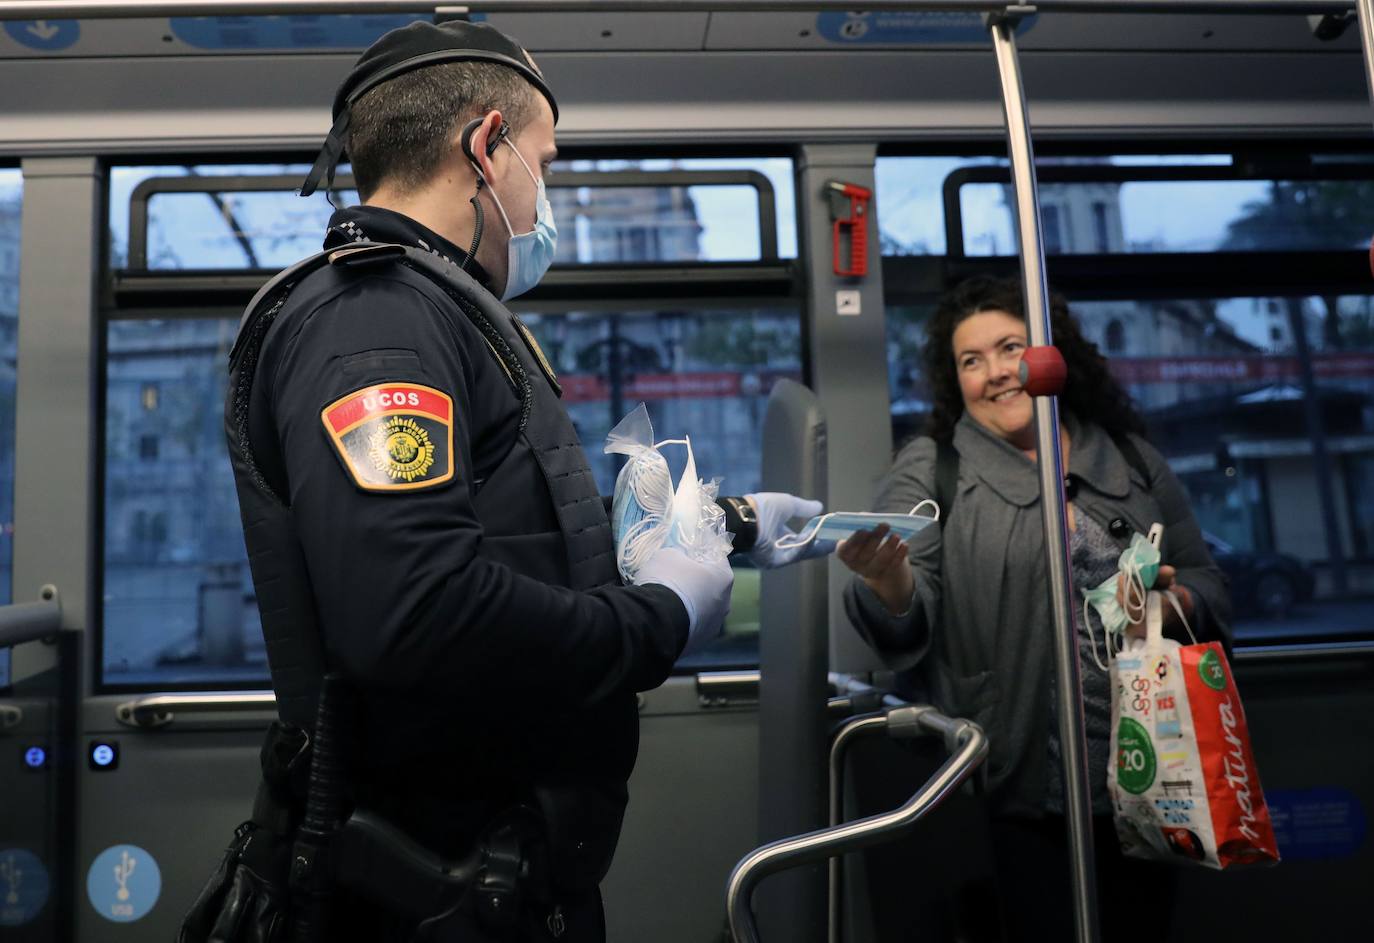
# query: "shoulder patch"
x,y
393,436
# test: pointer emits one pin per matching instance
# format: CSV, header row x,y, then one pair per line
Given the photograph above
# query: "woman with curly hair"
x,y
963,614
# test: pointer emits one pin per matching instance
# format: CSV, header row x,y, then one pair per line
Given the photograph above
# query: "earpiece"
x,y
465,139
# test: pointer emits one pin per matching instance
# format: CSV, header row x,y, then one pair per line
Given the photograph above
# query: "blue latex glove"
x,y
704,589
775,510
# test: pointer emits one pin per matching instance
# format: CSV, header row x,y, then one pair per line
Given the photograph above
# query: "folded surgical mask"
x,y
1139,563
838,525
648,512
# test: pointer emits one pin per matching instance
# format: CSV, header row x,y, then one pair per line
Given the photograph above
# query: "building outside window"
x,y
1054,234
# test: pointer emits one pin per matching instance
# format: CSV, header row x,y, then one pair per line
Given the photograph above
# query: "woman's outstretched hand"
x,y
880,559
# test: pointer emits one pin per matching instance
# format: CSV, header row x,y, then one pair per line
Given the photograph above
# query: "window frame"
x,y
214,187
1258,170
130,293
912,280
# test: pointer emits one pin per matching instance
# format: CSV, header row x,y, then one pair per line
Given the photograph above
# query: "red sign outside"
x,y
591,388
1249,369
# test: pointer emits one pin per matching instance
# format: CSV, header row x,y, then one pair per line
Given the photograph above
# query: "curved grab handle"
x,y
31,621
829,842
158,710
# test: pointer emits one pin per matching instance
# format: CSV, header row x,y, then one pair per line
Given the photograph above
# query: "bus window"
x,y
1272,438
709,223
178,601
1177,216
11,200
1263,403
911,218
608,211
209,228
703,374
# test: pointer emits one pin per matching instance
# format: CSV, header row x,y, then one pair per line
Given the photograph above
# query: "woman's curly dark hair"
x,y
1091,393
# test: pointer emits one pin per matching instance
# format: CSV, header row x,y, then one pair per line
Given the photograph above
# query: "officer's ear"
x,y
479,140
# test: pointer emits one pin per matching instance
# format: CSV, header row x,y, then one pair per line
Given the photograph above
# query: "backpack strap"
x,y
1132,455
946,477
270,296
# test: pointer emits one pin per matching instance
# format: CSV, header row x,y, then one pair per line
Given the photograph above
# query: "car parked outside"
x,y
1262,583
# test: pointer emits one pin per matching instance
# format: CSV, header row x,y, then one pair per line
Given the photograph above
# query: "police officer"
x,y
402,439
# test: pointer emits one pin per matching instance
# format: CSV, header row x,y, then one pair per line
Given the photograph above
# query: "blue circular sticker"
x,y
47,35
124,883
23,886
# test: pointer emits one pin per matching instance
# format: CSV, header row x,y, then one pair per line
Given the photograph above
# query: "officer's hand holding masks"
x,y
703,587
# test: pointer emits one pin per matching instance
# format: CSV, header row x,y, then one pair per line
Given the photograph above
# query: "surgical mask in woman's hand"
x,y
838,525
1139,564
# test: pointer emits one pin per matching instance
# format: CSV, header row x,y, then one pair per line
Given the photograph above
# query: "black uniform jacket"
x,y
484,676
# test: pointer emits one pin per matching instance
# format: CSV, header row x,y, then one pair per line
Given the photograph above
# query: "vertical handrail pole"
x,y
839,747
1035,285
1364,12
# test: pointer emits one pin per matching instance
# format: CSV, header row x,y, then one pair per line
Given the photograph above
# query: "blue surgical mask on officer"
x,y
529,254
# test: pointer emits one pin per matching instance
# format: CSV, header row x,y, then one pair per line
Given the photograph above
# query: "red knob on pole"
x,y
1043,371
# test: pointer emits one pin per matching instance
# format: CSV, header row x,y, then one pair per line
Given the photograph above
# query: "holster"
x,y
274,881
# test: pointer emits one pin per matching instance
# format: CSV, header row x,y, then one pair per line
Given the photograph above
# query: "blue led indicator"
x,y
103,754
35,757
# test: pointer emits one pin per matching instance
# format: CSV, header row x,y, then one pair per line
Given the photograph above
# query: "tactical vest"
x,y
583,817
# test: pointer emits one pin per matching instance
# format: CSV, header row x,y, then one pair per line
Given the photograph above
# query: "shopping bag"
x,y
1184,784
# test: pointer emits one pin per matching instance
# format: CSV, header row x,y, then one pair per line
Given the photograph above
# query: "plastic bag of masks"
x,y
648,512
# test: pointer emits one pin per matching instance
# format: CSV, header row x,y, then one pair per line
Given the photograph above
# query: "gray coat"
x,y
977,639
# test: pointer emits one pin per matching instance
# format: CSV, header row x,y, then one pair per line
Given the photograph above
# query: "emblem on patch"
x,y
393,436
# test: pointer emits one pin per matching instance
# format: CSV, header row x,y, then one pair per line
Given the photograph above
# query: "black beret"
x,y
423,44
413,47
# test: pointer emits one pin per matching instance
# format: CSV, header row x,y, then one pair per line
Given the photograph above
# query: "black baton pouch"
x,y
247,899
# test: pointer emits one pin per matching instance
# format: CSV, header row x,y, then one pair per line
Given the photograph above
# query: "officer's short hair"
x,y
401,130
